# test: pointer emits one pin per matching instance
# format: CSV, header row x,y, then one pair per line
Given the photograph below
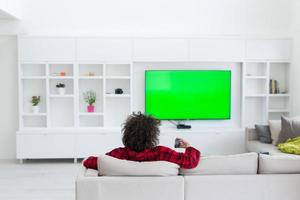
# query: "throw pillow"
x,y
275,128
264,133
110,166
290,128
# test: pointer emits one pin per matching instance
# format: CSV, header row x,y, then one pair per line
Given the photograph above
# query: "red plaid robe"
x,y
187,160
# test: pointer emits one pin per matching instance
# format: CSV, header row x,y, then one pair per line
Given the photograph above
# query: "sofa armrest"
x,y
251,134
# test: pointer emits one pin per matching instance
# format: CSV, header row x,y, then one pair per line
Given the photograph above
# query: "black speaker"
x,y
118,91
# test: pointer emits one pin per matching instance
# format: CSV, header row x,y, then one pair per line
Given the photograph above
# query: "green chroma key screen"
x,y
188,94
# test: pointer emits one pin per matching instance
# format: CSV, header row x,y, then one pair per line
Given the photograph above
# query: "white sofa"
x,y
233,177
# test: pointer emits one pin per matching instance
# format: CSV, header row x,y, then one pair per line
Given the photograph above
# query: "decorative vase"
x,y
61,91
91,108
35,109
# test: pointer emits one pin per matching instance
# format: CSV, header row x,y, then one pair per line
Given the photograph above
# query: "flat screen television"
x,y
188,94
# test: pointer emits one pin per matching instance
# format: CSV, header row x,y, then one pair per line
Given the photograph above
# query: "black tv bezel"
x,y
202,119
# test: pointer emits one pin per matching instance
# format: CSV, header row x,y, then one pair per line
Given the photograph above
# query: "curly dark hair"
x,y
140,132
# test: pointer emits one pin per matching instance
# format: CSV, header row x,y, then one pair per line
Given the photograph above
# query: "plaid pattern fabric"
x,y
187,160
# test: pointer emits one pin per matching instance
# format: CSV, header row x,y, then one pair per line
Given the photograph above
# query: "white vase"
x,y
35,109
61,91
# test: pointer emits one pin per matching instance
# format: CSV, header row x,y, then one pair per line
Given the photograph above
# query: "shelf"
x,y
256,77
91,114
118,95
61,77
33,77
279,95
34,114
117,77
278,110
61,96
256,95
90,77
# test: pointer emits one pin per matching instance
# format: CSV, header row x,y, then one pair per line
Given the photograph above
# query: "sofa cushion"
x,y
259,147
290,128
275,128
264,133
279,164
226,164
110,166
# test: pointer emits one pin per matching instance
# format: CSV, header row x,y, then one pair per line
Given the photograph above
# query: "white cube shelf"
x,y
62,112
118,70
95,85
55,69
114,83
69,86
90,70
117,110
34,88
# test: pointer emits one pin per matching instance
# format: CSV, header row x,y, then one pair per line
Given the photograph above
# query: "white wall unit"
x,y
100,49
64,128
268,49
160,50
47,49
217,50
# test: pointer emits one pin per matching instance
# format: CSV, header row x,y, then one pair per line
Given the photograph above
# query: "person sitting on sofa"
x,y
140,138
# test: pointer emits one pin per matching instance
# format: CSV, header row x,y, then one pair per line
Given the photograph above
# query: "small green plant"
x,y
60,85
35,100
89,97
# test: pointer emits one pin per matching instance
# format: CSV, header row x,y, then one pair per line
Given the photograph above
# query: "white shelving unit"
x,y
69,110
259,105
63,128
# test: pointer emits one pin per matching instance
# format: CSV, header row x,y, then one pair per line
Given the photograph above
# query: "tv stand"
x,y
183,126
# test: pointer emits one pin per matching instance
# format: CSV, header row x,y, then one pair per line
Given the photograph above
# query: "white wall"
x,y
295,72
12,7
128,18
155,17
9,96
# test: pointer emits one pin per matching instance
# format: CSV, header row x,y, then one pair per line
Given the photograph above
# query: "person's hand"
x,y
183,143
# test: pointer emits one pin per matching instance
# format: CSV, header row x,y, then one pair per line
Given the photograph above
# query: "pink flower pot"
x,y
91,108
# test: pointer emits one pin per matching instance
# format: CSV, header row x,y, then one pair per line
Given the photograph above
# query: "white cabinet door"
x,y
269,49
45,146
61,145
97,49
47,49
31,146
217,50
160,50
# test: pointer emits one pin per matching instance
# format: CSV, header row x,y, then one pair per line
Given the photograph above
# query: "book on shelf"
x,y
274,87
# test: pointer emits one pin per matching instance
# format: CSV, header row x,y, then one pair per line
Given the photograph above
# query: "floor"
x,y
39,180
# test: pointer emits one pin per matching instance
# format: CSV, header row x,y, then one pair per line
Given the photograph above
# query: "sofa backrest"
x,y
245,163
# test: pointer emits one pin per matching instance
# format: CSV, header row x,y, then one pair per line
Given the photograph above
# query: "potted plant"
x,y
90,99
35,100
61,88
